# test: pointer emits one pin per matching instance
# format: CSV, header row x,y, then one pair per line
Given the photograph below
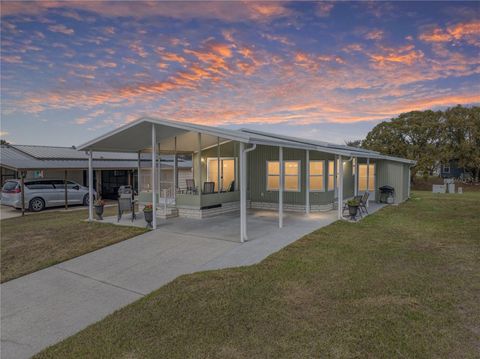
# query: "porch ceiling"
x,y
137,136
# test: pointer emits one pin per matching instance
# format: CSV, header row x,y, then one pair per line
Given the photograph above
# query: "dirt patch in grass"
x,y
402,283
40,240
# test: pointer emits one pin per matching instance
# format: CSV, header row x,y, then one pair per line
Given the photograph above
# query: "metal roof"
x,y
136,136
24,157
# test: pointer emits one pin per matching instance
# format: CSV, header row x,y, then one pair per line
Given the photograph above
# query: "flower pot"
x,y
352,211
148,218
99,212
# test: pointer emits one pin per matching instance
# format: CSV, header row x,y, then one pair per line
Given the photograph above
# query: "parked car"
x,y
42,193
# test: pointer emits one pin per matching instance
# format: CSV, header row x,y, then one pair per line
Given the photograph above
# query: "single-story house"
x,y
236,169
111,169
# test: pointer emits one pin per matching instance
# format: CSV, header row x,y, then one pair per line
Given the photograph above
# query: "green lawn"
x,y
403,283
40,240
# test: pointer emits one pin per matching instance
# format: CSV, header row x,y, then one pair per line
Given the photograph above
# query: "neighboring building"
x,y
452,170
111,169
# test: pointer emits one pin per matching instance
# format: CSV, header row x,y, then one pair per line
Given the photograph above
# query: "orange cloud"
x,y
462,31
172,57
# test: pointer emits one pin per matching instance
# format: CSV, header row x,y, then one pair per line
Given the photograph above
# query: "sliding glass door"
x,y
227,173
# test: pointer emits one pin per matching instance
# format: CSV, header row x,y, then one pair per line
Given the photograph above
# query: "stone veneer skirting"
x,y
189,212
292,207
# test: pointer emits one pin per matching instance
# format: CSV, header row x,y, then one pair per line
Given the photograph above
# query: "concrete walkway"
x,y
45,307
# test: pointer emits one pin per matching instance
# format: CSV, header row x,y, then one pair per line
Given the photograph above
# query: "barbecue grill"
x,y
387,194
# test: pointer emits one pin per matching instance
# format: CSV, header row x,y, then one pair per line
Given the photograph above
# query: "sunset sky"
x,y
330,71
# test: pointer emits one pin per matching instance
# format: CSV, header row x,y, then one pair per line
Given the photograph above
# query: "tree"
x,y
430,137
413,135
354,143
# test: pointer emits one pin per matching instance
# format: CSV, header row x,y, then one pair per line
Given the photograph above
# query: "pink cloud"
x,y
61,29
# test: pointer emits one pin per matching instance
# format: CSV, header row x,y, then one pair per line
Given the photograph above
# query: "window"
x,y
227,172
331,175
362,177
39,185
292,176
317,182
446,169
273,176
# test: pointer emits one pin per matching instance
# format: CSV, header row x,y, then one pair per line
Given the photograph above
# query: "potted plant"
x,y
99,204
148,214
353,205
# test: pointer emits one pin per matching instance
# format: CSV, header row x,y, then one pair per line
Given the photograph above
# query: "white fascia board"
x,y
231,135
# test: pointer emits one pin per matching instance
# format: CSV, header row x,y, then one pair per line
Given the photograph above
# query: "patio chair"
x,y
191,189
363,202
126,204
208,187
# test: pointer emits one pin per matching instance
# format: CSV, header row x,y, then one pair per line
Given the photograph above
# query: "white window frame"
x,y
285,175
273,175
209,159
330,175
313,175
369,182
445,169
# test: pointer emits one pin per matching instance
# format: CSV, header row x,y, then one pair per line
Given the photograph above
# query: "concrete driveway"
x,y
44,307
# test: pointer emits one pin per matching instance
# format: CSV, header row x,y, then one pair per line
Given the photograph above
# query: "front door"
x,y
227,172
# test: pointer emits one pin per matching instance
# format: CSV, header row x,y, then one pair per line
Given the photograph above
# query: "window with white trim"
x,y
446,168
291,176
273,175
331,175
317,176
362,177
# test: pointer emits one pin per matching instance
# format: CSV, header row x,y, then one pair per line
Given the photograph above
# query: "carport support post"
x,y
22,187
66,190
218,165
175,169
243,194
340,187
368,180
90,185
280,190
154,177
138,172
307,181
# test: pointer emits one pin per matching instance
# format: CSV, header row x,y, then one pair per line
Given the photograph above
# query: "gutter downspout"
x,y
243,191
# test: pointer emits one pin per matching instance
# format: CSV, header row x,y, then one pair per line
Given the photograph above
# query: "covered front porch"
x,y
278,172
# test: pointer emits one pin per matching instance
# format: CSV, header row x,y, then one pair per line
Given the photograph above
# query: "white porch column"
x,y
355,179
218,164
199,166
307,182
243,194
175,169
154,177
281,187
90,186
335,179
368,180
340,187
138,172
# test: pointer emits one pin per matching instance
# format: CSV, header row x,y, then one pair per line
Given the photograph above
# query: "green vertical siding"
x,y
394,174
257,162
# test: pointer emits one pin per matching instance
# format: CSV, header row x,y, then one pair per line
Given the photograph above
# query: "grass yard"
x,y
40,240
403,283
